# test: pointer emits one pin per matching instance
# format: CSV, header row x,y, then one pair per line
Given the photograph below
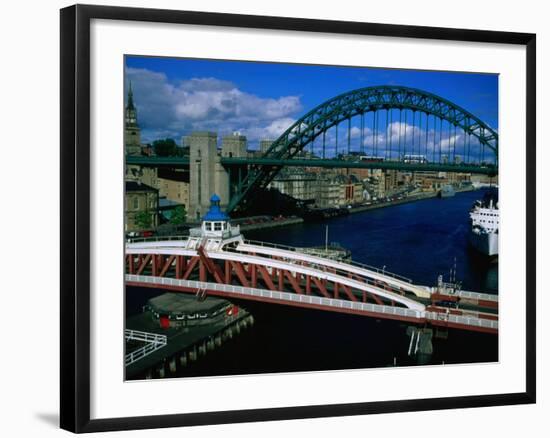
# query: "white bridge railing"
x,y
152,341
348,262
477,295
315,300
277,295
463,320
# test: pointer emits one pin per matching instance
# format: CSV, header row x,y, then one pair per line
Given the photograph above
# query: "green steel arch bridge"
x,y
380,127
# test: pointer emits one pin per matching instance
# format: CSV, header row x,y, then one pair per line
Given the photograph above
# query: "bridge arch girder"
x,y
369,99
355,103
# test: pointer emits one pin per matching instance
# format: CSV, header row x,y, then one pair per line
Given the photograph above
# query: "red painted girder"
x,y
348,292
144,262
293,282
167,265
227,267
239,270
266,276
321,287
130,258
190,266
252,268
376,298
210,266
181,263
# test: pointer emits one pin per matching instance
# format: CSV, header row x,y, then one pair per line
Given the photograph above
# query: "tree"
x,y
165,148
179,215
143,220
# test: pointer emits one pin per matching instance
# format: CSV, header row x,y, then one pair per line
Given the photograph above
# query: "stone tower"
x,y
265,144
206,174
132,136
234,145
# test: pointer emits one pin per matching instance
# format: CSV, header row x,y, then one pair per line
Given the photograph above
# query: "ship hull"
x,y
485,243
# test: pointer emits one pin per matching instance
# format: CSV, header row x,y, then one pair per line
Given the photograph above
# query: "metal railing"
x,y
310,299
281,296
156,238
193,232
153,342
315,300
321,269
347,262
464,320
477,295
275,246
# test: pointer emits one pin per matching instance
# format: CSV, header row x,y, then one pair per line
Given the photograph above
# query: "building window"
x,y
136,203
217,226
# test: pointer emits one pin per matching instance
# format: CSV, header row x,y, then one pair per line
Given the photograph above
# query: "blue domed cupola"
x,y
215,221
215,213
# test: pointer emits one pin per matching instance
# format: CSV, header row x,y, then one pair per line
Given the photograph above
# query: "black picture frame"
x,y
75,217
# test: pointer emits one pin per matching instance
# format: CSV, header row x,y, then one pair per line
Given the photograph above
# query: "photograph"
x,y
292,217
267,219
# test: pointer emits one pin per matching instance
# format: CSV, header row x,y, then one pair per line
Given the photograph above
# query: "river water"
x,y
418,240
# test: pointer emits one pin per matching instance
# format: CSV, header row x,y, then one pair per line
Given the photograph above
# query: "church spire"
x,y
130,104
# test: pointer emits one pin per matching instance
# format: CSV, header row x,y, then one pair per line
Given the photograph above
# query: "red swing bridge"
x,y
215,259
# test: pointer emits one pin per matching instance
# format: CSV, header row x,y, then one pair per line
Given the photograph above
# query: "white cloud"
x,y
271,131
167,109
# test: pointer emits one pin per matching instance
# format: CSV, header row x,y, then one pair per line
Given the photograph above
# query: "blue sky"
x,y
176,96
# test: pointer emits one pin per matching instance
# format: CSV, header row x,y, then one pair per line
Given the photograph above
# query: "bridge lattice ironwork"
x,y
479,146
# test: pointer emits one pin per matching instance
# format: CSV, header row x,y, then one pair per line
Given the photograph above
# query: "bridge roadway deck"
x,y
386,278
490,300
279,264
183,162
287,253
419,310
439,318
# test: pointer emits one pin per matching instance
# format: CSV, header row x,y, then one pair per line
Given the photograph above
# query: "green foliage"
x,y
179,215
143,220
165,148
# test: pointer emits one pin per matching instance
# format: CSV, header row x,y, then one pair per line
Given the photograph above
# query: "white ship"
x,y
484,218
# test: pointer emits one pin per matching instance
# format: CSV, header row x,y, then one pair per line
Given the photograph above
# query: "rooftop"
x,y
181,303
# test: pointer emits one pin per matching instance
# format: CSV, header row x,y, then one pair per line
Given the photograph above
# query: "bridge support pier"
x,y
161,371
210,344
193,354
202,349
420,345
172,364
183,359
441,333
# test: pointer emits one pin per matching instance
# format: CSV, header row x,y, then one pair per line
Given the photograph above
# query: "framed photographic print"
x,y
301,211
